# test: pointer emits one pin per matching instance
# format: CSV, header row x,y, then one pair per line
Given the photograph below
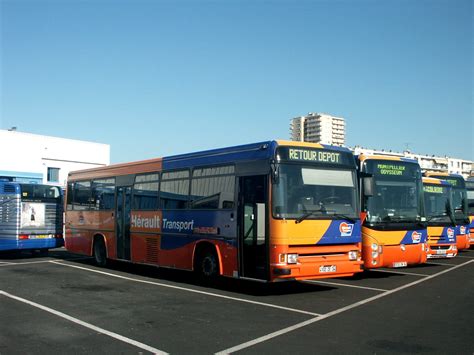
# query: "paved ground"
x,y
64,304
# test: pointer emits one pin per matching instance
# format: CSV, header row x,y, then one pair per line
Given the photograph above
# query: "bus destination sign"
x,y
453,182
314,155
391,169
323,156
433,189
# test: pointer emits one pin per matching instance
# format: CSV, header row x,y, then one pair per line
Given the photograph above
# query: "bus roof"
x,y
246,152
434,181
442,173
364,157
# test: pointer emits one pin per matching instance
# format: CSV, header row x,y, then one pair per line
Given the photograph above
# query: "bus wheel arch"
x,y
207,261
99,250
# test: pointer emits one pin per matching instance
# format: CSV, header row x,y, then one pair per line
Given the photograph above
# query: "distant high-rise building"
x,y
318,128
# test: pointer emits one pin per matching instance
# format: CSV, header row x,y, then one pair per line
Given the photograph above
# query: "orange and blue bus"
x,y
470,202
267,211
392,211
31,217
460,206
439,218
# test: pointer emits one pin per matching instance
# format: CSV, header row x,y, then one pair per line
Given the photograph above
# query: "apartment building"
x,y
318,128
427,162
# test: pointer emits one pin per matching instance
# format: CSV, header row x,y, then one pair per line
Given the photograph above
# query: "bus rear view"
x,y
393,229
31,216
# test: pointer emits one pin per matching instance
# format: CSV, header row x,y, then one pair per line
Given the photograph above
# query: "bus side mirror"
x,y
368,183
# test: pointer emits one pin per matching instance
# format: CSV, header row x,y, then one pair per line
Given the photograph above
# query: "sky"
x,y
158,78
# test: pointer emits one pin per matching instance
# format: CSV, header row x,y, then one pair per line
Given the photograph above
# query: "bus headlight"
x,y
374,246
292,258
353,255
375,254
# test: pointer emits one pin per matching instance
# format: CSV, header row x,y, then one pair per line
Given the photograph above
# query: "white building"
x,y
427,162
318,128
44,159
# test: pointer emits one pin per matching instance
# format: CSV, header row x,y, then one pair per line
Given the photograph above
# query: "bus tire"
x,y
100,253
207,264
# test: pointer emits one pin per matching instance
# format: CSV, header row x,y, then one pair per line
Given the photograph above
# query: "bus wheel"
x,y
207,265
100,254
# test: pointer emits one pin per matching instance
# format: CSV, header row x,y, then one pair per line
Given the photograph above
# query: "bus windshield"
x,y
460,204
40,193
459,197
470,196
397,195
438,204
325,193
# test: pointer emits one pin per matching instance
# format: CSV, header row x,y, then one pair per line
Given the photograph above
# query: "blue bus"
x,y
31,216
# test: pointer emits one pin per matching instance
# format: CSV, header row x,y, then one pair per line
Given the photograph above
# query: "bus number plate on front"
x,y
327,268
441,252
400,264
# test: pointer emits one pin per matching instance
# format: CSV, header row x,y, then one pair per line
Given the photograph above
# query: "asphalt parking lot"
x,y
63,303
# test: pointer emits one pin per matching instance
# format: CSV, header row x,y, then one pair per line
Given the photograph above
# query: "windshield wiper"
x,y
340,215
309,213
430,218
324,211
394,219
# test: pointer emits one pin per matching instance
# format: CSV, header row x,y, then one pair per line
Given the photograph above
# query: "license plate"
x,y
327,268
41,236
441,252
400,264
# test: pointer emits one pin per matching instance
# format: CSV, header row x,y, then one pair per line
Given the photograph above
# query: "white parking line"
x,y
189,290
442,264
86,325
345,285
40,261
333,313
399,272
27,263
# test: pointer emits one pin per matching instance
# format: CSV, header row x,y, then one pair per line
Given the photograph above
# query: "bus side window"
x,y
82,195
174,189
145,192
103,194
213,188
69,192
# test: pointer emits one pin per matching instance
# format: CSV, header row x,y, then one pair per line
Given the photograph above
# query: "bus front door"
x,y
122,221
253,243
